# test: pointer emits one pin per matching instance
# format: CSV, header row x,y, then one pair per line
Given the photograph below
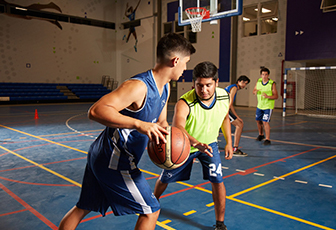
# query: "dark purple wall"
x,y
318,40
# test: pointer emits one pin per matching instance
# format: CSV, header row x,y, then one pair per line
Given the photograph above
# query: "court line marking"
x,y
75,130
49,163
259,174
42,167
283,176
162,224
32,183
30,208
43,139
280,178
199,188
166,221
294,143
280,213
232,197
325,185
14,212
71,133
53,172
189,213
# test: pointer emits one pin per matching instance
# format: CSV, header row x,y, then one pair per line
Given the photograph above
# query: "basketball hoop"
x,y
196,15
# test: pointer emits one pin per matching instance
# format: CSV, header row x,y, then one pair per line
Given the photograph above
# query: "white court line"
x,y
302,182
67,124
280,178
223,167
239,170
295,143
324,185
259,174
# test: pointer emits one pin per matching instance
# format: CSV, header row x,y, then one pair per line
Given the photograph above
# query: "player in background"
x,y
130,14
200,113
267,93
234,118
134,113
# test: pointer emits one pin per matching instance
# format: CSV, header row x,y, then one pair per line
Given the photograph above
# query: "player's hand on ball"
x,y
204,148
154,131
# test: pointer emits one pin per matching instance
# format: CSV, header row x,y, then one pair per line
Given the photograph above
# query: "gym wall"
x,y
38,51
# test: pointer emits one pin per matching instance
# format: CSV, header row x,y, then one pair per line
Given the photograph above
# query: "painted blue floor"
x,y
288,185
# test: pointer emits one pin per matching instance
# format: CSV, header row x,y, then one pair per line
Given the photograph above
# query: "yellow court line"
x,y
43,139
162,225
280,213
189,213
278,178
210,204
183,183
166,221
42,167
260,185
148,172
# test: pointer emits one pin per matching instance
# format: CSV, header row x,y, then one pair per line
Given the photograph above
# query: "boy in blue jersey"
x,y
134,113
234,118
200,113
266,93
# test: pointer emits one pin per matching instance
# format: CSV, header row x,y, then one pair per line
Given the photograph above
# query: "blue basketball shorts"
x,y
211,166
264,115
125,191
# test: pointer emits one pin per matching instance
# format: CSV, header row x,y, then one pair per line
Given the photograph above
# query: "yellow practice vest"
x,y
204,123
265,103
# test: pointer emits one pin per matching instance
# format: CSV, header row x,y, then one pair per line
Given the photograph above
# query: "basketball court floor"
x,y
288,185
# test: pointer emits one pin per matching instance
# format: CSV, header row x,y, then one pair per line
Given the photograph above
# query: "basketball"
x,y
173,153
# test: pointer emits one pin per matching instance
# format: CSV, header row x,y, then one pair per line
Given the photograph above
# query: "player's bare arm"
x,y
179,120
255,91
137,5
226,129
131,94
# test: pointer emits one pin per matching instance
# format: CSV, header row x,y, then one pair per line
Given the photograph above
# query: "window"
x,y
263,15
269,17
185,31
328,5
167,27
250,20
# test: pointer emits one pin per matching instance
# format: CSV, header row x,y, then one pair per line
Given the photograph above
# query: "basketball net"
x,y
196,14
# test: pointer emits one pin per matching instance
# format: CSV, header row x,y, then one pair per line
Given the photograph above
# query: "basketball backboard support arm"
x,y
215,12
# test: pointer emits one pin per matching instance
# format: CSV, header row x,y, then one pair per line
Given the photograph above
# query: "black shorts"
x,y
232,116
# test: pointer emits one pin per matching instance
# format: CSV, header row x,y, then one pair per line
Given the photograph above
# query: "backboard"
x,y
218,9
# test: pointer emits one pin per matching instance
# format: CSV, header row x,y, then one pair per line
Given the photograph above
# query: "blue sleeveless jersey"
x,y
228,88
124,147
131,17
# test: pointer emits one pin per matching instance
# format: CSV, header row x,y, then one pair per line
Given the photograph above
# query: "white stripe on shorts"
x,y
133,189
269,117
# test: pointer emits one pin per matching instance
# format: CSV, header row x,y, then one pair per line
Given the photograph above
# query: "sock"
x,y
219,223
235,149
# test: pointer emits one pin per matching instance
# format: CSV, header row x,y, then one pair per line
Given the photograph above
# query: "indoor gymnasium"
x,y
59,58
